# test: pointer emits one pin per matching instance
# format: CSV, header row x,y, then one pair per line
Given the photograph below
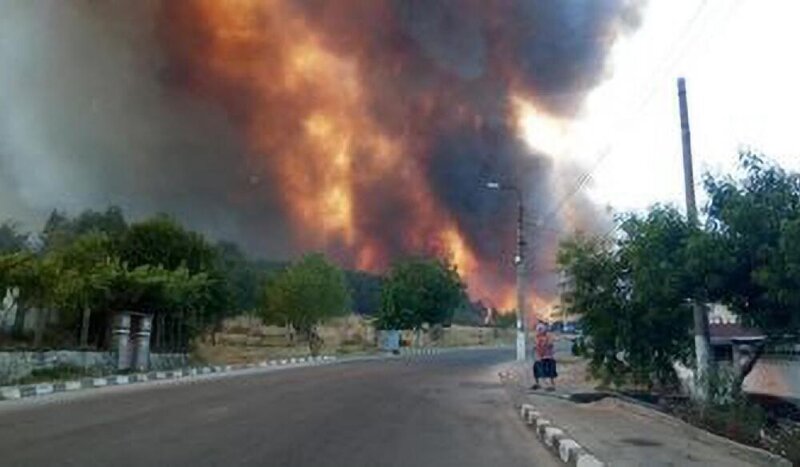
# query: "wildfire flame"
x,y
310,93
331,153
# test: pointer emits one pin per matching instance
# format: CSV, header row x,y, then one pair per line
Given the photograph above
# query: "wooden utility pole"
x,y
702,340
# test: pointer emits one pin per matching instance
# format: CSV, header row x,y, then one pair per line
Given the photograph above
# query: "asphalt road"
x,y
445,410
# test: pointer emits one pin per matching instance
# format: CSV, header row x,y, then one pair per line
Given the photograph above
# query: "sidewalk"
x,y
621,433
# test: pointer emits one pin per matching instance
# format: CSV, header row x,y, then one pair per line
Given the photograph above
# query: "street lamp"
x,y
519,263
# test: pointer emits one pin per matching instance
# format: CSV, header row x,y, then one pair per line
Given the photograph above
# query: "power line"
x,y
670,61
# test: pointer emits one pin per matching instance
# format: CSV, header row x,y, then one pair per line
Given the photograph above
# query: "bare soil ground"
x,y
246,339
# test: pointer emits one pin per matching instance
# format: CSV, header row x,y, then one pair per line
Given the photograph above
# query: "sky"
x,y
742,73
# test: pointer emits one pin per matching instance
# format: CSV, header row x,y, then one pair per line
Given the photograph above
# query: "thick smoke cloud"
x,y
86,121
122,103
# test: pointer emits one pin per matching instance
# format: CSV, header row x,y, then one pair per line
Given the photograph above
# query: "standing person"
x,y
545,365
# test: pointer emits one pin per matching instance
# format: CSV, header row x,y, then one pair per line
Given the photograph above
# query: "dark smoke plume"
x,y
119,102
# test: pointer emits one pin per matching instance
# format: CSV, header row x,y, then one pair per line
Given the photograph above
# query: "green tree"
x,y
505,320
746,256
419,291
305,294
366,291
162,241
633,295
755,219
36,278
243,278
85,270
60,230
754,222
10,266
470,313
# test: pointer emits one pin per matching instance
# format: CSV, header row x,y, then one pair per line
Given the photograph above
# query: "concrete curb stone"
x,y
566,449
8,393
572,453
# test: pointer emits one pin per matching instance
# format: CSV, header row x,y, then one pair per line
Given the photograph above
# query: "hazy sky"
x,y
742,68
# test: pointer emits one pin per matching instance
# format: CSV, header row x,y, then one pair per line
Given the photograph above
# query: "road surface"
x,y
445,410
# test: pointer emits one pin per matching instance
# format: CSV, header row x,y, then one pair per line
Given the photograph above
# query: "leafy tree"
x,y
36,279
506,320
162,241
755,225
243,278
470,313
755,220
632,295
306,293
10,266
60,230
110,222
85,270
419,291
366,291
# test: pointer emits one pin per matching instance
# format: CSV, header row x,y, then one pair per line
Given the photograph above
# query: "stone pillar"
x,y
141,343
121,342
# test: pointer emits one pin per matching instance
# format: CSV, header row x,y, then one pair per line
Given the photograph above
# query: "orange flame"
x,y
309,126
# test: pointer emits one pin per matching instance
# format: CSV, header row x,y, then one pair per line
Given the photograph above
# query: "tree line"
x,y
86,267
634,291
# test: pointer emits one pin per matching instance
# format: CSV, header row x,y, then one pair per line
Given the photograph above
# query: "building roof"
x,y
724,333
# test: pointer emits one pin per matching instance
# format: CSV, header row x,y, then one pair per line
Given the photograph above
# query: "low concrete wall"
x,y
19,364
166,361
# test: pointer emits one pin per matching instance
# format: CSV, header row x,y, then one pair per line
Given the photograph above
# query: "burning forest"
x,y
362,128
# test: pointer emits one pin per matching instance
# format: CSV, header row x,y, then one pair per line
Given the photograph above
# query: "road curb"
x,y
408,351
8,393
14,392
554,438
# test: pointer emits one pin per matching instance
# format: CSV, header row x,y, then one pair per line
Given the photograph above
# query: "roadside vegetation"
x,y
60,288
634,291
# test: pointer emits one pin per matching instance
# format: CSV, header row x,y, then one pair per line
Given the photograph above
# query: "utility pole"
x,y
519,263
702,340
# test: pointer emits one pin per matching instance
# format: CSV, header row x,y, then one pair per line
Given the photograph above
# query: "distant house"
x,y
725,336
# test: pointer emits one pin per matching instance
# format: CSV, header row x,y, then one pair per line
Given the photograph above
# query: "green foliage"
x,y
470,313
96,263
419,291
506,320
85,270
60,230
366,291
162,241
60,373
632,295
578,347
10,264
306,293
756,220
728,413
634,292
36,278
242,279
201,283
